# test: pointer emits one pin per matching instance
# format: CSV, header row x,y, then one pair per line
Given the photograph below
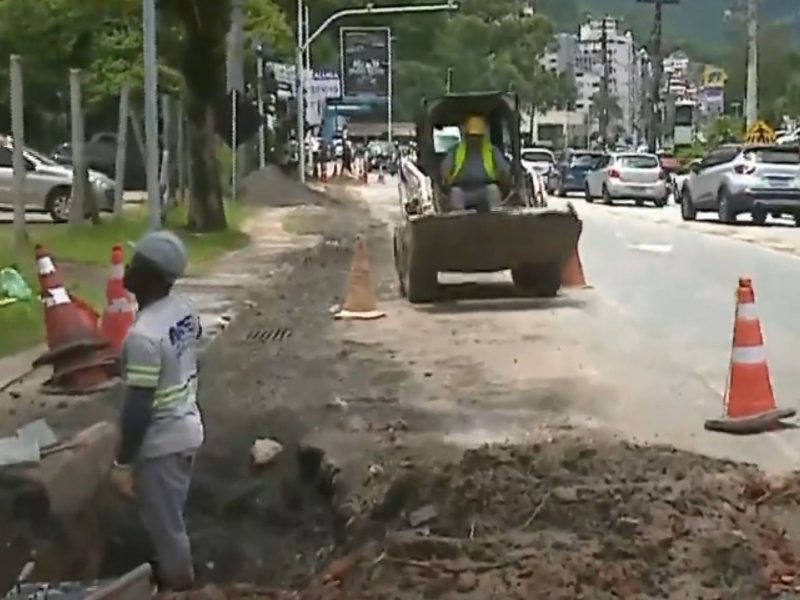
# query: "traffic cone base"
x,y
767,421
749,399
572,274
360,303
75,348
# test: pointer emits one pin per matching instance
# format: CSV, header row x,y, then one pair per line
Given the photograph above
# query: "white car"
x,y
48,185
628,176
543,161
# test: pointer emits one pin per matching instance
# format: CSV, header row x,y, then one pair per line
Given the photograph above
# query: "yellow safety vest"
x,y
486,153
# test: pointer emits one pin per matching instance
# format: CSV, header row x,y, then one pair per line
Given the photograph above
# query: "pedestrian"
x,y
161,427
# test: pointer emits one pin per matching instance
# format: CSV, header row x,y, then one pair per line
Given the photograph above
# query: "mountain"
x,y
696,22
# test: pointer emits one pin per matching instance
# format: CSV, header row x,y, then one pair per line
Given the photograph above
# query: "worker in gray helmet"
x,y
161,428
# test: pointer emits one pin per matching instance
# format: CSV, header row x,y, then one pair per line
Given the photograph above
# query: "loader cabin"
x,y
439,129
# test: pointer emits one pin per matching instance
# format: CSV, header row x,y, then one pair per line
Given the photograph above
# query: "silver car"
x,y
48,185
543,161
734,180
628,176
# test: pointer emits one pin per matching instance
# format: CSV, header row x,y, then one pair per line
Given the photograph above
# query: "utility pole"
x,y
752,62
654,133
449,82
606,87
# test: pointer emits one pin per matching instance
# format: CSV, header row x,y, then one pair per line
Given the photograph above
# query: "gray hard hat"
x,y
165,250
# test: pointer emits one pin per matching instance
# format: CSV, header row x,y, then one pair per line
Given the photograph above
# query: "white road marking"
x,y
652,248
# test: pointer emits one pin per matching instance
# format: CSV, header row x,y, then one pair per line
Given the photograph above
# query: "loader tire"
x,y
542,281
417,281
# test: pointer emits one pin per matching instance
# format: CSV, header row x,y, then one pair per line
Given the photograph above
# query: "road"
x,y
645,352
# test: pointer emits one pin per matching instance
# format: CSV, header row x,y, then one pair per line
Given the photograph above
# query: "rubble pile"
x,y
572,519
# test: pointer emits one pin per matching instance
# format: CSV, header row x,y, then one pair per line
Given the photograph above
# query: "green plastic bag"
x,y
12,285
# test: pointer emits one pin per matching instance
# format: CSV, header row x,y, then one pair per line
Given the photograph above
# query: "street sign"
x,y
760,133
365,56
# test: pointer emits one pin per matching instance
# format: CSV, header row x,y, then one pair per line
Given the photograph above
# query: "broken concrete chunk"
x,y
264,451
424,515
565,494
38,431
18,451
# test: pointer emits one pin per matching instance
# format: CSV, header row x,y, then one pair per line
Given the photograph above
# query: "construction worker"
x,y
161,427
476,173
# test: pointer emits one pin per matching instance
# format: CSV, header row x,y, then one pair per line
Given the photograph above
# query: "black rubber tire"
x,y
607,200
587,194
639,202
542,281
562,193
759,216
724,209
417,282
688,211
58,200
660,202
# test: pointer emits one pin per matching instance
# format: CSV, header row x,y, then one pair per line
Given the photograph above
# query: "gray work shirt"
x,y
160,353
472,174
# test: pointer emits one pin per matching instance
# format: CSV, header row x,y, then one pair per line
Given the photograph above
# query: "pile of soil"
x,y
569,519
272,187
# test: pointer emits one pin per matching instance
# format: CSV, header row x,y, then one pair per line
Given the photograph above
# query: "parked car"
x,y
628,176
48,185
100,152
543,161
572,170
740,179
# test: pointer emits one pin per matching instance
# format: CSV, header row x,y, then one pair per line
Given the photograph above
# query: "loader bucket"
x,y
483,242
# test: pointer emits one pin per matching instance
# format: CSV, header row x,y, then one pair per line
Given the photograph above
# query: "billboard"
x,y
365,56
321,87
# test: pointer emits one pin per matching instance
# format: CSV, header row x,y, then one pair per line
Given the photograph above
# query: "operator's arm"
x,y
142,370
446,168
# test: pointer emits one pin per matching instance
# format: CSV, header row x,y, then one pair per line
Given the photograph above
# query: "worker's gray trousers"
x,y
162,486
484,198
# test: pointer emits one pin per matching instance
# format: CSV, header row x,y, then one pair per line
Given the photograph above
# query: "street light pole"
x,y
151,111
752,62
300,96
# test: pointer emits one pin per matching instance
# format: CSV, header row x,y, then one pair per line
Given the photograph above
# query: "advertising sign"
x,y
365,61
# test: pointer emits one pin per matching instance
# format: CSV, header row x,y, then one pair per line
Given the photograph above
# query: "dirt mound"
x,y
572,519
270,186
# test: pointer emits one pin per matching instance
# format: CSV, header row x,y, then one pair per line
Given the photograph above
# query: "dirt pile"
x,y
270,186
573,519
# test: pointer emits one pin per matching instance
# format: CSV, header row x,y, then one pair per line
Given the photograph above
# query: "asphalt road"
x,y
643,353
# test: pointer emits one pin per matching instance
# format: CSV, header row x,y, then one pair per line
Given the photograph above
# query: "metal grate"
x,y
268,335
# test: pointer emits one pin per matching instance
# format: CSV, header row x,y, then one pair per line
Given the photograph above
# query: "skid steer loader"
x,y
522,235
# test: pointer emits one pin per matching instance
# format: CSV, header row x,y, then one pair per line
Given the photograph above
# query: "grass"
x,y
86,251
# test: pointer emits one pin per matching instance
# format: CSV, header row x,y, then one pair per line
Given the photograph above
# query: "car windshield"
x,y
584,160
536,156
774,156
638,162
39,157
445,138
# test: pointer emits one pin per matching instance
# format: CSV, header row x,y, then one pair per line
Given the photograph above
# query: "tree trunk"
x,y
204,73
206,211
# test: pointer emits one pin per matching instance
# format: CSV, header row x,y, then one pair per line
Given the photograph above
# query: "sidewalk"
x,y
218,295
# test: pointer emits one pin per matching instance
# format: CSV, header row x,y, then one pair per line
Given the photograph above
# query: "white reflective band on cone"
x,y
119,305
46,266
749,355
56,296
117,271
747,311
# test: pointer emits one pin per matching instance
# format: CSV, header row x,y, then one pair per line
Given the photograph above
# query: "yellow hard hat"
x,y
475,125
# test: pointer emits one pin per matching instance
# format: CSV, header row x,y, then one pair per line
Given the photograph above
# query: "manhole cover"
x,y
268,335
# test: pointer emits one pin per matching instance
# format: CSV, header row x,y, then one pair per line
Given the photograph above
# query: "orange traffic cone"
x,y
119,312
75,346
749,401
572,275
360,302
